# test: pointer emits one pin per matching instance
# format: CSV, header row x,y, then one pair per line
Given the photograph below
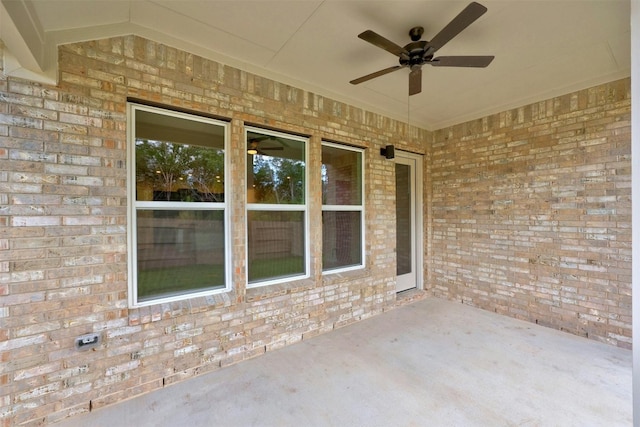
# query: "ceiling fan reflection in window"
x,y
420,52
262,144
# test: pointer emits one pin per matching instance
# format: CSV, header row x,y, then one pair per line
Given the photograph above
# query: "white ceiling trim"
x,y
25,52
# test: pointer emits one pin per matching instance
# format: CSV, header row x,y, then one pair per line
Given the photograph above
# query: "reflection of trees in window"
x,y
179,172
278,180
178,229
277,244
324,171
207,174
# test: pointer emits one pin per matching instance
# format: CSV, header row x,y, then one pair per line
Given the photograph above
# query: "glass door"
x,y
408,221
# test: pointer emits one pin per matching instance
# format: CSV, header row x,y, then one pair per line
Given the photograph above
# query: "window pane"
x,y
275,169
341,176
341,239
179,252
404,232
178,159
276,245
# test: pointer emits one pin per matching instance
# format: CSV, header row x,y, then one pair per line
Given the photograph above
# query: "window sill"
x,y
170,310
278,289
330,278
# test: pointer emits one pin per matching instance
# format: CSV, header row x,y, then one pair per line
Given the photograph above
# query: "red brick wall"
x,y
531,213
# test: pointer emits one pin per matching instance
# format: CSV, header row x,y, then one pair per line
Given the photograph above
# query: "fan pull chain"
x,y
408,112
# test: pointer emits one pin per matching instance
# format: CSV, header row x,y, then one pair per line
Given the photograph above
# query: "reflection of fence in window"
x,y
343,246
275,239
341,238
276,207
171,242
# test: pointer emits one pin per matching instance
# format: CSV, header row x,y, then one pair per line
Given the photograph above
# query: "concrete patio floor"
x,y
428,363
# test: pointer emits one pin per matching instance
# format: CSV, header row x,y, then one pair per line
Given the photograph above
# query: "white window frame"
x,y
350,208
280,208
135,205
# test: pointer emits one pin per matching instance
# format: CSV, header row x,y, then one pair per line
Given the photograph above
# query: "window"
x,y
177,221
276,207
342,208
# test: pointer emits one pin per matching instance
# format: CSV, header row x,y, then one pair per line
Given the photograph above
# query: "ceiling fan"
x,y
255,148
419,52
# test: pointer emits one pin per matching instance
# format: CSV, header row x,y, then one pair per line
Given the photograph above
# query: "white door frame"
x,y
415,161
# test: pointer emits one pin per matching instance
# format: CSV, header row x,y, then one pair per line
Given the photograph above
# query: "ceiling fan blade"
x,y
271,148
465,18
376,74
415,81
461,61
379,41
259,139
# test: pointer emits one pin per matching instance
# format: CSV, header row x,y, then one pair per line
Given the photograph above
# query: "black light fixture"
x,y
388,152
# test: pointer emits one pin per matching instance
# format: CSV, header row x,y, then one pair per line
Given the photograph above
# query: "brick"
x,y
528,212
574,190
35,221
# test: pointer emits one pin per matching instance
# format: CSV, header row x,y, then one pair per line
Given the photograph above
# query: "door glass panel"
x,y
403,218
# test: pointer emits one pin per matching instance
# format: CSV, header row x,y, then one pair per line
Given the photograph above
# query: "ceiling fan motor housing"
x,y
416,56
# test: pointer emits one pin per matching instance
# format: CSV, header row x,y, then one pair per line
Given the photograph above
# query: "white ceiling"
x,y
541,48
